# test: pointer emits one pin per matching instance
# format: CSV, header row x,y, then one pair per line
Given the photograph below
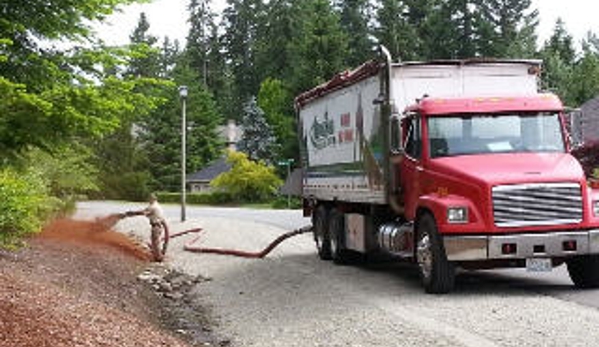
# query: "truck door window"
x,y
413,144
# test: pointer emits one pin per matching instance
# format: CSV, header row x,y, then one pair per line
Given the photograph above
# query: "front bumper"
x,y
540,245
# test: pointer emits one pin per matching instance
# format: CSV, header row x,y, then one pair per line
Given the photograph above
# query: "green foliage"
x,y
247,180
66,171
242,21
282,203
160,134
258,140
213,198
354,17
145,60
276,100
273,49
394,31
53,96
24,205
201,19
320,50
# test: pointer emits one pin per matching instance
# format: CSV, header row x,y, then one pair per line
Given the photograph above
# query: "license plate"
x,y
538,265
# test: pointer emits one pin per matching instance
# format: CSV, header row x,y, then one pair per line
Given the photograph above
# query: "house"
x,y
586,125
199,182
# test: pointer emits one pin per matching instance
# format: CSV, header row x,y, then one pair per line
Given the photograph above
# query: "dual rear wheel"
x,y
329,234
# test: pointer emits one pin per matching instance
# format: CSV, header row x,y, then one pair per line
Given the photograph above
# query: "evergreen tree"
x,y
146,62
282,25
561,43
258,140
168,57
118,156
220,79
393,30
276,102
558,55
161,133
321,48
355,16
242,20
584,84
428,19
198,40
513,24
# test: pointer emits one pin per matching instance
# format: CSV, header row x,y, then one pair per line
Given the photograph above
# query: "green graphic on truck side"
x,y
322,134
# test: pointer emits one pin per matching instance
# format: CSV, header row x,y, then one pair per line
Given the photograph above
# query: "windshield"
x,y
486,133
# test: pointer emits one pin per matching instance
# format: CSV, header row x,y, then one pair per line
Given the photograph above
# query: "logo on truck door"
x,y
322,133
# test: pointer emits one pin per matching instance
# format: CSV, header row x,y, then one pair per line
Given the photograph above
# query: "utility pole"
x,y
183,95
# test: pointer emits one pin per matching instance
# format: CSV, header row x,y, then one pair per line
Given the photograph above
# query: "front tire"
x,y
436,272
321,232
584,271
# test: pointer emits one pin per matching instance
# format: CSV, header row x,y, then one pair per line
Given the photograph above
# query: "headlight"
x,y
596,208
457,215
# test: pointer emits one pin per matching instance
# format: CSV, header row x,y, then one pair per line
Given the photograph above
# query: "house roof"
x,y
210,172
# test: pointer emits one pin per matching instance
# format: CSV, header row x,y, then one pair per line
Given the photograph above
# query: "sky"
x,y
169,18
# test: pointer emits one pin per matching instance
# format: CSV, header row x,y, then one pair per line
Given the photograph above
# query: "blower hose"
x,y
190,247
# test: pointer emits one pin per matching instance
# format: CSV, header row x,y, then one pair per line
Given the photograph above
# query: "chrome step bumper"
x,y
547,245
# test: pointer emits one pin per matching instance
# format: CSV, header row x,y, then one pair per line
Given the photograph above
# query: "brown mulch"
x,y
75,285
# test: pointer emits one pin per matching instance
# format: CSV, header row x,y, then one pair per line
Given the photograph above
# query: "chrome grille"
x,y
537,204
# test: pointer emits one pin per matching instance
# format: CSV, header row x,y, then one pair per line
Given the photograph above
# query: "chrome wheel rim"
x,y
424,255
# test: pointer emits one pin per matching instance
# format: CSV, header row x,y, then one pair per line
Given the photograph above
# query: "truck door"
x,y
411,166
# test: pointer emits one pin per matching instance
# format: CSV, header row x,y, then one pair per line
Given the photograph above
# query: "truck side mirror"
x,y
395,134
574,124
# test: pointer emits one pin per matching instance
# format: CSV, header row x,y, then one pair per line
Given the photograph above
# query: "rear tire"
x,y
584,271
321,232
436,272
339,252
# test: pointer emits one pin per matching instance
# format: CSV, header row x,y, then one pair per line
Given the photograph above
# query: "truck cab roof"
x,y
465,105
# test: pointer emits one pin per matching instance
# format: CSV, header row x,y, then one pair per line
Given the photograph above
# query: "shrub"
x,y
282,203
247,181
24,206
588,156
214,198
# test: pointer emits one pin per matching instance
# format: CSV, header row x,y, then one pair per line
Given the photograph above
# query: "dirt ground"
x,y
77,285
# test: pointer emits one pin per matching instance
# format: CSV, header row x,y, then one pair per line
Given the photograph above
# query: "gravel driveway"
x,y
293,299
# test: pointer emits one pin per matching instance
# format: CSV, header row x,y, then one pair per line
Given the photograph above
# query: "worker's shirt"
x,y
154,213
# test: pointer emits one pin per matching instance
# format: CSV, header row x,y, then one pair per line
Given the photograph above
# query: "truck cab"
x,y
489,181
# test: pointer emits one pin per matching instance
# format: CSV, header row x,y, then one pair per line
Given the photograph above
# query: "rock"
x,y
173,295
178,281
148,277
165,287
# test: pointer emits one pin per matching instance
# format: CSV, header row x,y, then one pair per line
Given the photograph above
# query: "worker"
x,y
155,215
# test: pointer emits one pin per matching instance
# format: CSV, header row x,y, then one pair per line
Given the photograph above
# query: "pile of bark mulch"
x,y
76,285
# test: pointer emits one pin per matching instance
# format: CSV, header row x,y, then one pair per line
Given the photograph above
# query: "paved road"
x,y
293,299
284,219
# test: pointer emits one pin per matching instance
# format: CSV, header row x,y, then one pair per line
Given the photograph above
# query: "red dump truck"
x,y
457,163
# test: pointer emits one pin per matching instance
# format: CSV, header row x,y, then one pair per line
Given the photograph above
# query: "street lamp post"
x,y
183,95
